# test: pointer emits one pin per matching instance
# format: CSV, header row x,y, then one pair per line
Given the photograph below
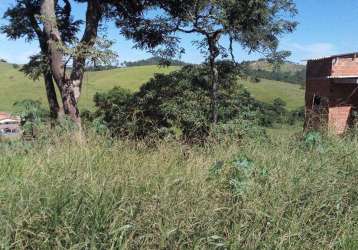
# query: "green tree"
x,y
256,25
51,23
24,22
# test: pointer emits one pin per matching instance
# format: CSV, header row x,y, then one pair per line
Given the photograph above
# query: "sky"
x,y
326,27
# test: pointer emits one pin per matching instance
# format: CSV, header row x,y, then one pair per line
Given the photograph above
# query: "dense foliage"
x,y
32,115
179,104
255,25
298,77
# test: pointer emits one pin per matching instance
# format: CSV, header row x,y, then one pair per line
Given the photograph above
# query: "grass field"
x,y
15,86
268,90
286,67
112,194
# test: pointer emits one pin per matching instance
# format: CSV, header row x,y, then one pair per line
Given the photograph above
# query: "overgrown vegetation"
x,y
178,104
286,193
191,159
32,115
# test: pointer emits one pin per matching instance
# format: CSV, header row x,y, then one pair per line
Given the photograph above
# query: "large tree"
x,y
51,23
69,84
256,25
23,21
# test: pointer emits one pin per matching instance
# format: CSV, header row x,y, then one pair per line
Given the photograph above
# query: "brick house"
x,y
9,125
332,92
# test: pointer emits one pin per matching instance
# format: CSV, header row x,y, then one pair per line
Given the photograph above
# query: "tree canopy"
x,y
255,25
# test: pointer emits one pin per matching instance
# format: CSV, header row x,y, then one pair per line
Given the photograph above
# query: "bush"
x,y
176,104
31,111
179,105
32,114
237,130
297,115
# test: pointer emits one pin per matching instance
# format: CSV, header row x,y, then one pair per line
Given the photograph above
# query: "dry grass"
x,y
111,194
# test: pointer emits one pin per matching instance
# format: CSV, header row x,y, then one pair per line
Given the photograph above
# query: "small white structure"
x,y
9,125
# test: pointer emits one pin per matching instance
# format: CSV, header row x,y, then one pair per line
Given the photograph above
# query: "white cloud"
x,y
313,50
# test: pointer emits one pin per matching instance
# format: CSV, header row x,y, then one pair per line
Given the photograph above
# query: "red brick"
x,y
338,119
325,78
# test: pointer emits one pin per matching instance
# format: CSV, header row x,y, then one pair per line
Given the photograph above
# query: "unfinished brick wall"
x,y
343,94
334,80
345,66
320,87
339,119
319,68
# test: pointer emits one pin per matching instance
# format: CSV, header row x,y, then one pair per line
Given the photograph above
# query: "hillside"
x,y
267,91
286,67
155,61
15,86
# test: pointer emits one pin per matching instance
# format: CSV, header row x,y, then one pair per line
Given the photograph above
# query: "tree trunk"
x,y
214,76
56,59
93,17
70,87
214,89
51,96
49,84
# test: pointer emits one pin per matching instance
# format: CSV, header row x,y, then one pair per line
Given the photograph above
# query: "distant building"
x,y
332,92
9,125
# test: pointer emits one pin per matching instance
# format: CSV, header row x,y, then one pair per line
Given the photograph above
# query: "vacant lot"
x,y
278,193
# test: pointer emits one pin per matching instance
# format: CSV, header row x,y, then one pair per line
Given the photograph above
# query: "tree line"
x,y
156,60
297,77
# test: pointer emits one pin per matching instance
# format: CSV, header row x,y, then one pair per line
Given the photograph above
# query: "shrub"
x,y
297,115
238,175
179,105
236,130
32,114
175,104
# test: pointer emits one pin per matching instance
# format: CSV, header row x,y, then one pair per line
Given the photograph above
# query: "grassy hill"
x,y
267,91
15,86
286,67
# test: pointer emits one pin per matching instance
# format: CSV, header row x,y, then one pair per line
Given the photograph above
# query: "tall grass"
x,y
285,193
